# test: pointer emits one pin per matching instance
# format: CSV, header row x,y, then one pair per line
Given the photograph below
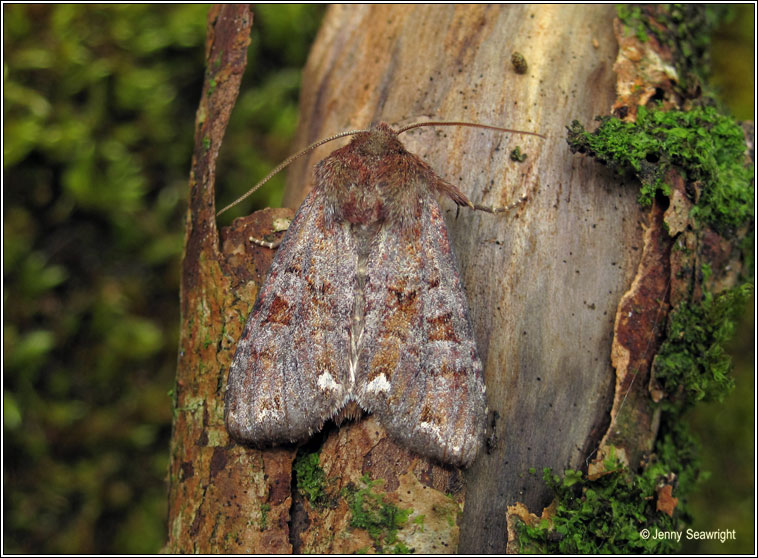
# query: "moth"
x,y
363,306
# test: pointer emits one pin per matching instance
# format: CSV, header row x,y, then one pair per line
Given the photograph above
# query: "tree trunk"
x,y
544,282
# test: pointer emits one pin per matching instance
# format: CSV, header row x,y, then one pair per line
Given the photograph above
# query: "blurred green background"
x,y
99,112
99,108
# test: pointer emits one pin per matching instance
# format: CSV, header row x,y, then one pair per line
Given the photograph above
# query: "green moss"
x,y
401,548
709,148
608,514
311,479
265,508
692,358
686,30
517,156
381,519
631,17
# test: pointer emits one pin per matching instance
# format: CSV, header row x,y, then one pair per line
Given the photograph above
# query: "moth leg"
x,y
509,207
265,243
279,225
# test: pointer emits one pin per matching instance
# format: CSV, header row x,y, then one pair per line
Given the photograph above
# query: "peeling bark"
x,y
637,333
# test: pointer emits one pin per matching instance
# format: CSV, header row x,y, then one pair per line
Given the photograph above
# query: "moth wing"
x,y
419,370
289,372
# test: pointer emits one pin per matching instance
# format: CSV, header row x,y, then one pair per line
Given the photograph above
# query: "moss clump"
x,y
517,156
708,147
609,515
311,479
692,360
631,17
379,518
369,510
686,30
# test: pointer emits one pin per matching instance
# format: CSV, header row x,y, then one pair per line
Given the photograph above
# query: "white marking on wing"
x,y
326,382
379,383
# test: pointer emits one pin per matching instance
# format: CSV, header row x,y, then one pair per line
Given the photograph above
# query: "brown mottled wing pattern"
x,y
419,369
298,333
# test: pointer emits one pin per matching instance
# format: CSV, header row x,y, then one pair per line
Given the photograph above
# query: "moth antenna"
x,y
289,159
470,125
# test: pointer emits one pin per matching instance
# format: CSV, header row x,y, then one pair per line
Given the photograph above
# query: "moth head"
x,y
380,141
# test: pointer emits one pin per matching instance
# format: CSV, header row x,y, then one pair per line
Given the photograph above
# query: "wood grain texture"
x,y
543,281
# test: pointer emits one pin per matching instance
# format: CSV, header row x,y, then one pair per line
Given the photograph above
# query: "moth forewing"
x,y
364,305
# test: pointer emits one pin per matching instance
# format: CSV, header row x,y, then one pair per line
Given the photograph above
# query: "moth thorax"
x,y
361,204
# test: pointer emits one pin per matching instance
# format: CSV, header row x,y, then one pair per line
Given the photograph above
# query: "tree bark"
x,y
222,497
543,282
548,283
